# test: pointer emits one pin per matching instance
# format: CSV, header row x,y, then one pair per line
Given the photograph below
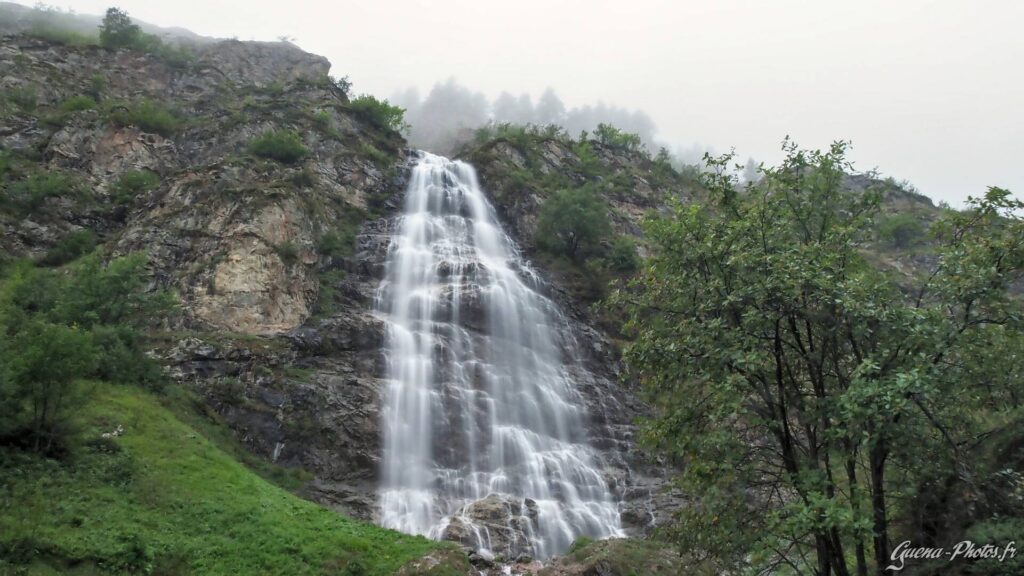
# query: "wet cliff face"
x,y
276,332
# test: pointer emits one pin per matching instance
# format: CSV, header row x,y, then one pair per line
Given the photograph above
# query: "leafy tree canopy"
x,y
806,395
573,223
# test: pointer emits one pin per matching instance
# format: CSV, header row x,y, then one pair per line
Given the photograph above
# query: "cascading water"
x,y
484,433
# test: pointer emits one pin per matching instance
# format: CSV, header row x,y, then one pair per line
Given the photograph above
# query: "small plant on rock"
x,y
284,146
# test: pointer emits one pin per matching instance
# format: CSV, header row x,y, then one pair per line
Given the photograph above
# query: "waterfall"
x,y
484,432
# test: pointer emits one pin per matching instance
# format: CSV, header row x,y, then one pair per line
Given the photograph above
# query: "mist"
x,y
450,112
925,90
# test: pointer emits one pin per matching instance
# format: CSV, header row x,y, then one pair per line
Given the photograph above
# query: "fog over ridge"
x,y
925,90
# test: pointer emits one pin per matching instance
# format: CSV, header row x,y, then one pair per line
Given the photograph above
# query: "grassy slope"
x,y
165,498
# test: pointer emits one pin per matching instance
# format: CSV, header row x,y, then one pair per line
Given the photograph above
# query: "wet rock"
x,y
498,524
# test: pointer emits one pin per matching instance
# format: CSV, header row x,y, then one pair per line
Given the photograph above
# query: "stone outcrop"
x,y
497,526
262,63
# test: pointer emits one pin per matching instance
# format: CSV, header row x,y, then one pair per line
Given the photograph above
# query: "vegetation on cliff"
x,y
576,202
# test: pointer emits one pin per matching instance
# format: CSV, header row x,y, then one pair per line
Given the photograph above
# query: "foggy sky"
x,y
931,92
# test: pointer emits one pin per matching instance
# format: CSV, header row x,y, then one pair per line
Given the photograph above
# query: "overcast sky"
x,y
931,92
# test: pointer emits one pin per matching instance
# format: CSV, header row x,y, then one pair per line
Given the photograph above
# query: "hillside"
x,y
195,240
160,497
263,196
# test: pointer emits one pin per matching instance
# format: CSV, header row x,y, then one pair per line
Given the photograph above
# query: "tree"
x,y
802,390
44,363
751,171
550,109
118,31
58,327
572,223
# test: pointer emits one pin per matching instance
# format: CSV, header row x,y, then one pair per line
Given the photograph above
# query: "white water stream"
x,y
478,400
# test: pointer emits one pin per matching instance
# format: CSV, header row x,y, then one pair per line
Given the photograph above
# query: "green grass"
x,y
164,499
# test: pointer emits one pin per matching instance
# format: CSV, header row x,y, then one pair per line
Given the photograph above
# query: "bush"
x,y
623,257
615,138
24,97
148,116
379,157
58,35
131,184
285,146
29,194
288,252
97,86
572,223
78,103
379,112
5,163
901,230
72,246
341,241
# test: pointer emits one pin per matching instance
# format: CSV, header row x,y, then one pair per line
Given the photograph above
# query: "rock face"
x,y
263,63
276,333
637,187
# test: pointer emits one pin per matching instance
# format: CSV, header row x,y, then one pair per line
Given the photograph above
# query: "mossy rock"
x,y
623,557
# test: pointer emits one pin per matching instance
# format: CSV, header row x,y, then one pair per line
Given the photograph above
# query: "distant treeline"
x,y
451,112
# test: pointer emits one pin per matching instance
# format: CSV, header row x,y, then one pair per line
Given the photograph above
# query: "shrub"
x,y
148,116
78,103
379,112
112,293
72,246
5,163
579,544
288,252
59,35
24,97
622,256
615,138
284,146
97,86
131,184
572,223
322,120
341,241
375,154
901,230
174,55
29,194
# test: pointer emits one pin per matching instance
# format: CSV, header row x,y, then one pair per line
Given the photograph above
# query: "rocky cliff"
x,y
276,263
